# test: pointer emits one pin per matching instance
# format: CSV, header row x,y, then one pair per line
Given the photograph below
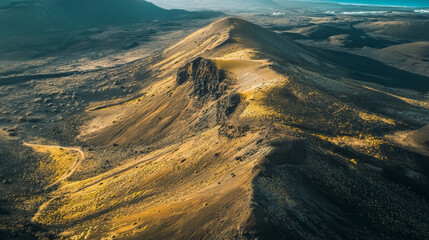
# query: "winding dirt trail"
x,y
74,167
71,170
66,175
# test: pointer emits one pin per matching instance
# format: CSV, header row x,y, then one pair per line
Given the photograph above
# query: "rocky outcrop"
x,y
205,76
227,106
233,130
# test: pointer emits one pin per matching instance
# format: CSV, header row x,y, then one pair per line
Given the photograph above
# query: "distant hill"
x,y
410,30
215,4
41,27
405,3
413,57
45,15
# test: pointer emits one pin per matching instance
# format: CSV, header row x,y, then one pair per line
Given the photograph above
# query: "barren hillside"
x,y
240,133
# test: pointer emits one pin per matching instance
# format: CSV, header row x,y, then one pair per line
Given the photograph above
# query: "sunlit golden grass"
x,y
99,195
153,183
257,107
57,163
377,119
413,102
366,144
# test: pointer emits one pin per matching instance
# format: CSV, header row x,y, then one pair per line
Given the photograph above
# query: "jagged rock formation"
x,y
206,78
227,106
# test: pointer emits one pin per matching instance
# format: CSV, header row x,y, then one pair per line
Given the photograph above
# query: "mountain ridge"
x,y
239,133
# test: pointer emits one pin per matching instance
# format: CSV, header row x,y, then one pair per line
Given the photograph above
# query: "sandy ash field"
x,y
302,122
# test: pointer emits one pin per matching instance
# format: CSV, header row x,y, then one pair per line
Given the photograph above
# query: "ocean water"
x,y
405,3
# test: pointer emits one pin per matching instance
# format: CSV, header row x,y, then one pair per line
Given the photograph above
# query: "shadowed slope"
x,y
34,16
40,28
413,57
410,30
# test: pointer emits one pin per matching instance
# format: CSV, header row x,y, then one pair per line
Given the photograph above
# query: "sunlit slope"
x,y
236,46
244,134
235,36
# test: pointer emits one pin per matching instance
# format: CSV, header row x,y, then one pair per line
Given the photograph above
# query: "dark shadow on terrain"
x,y
21,79
356,39
397,169
318,214
318,195
26,231
4,211
39,28
421,137
369,70
63,43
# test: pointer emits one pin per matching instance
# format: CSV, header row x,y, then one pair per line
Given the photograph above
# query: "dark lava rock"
x,y
4,211
205,76
22,119
227,106
13,134
34,120
5,120
233,131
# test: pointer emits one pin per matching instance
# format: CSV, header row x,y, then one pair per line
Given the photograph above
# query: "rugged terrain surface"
x,y
237,133
35,29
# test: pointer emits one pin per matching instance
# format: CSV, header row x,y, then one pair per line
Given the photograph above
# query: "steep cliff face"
x,y
206,78
212,89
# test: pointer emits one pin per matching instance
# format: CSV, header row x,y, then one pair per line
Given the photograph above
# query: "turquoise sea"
x,y
405,3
